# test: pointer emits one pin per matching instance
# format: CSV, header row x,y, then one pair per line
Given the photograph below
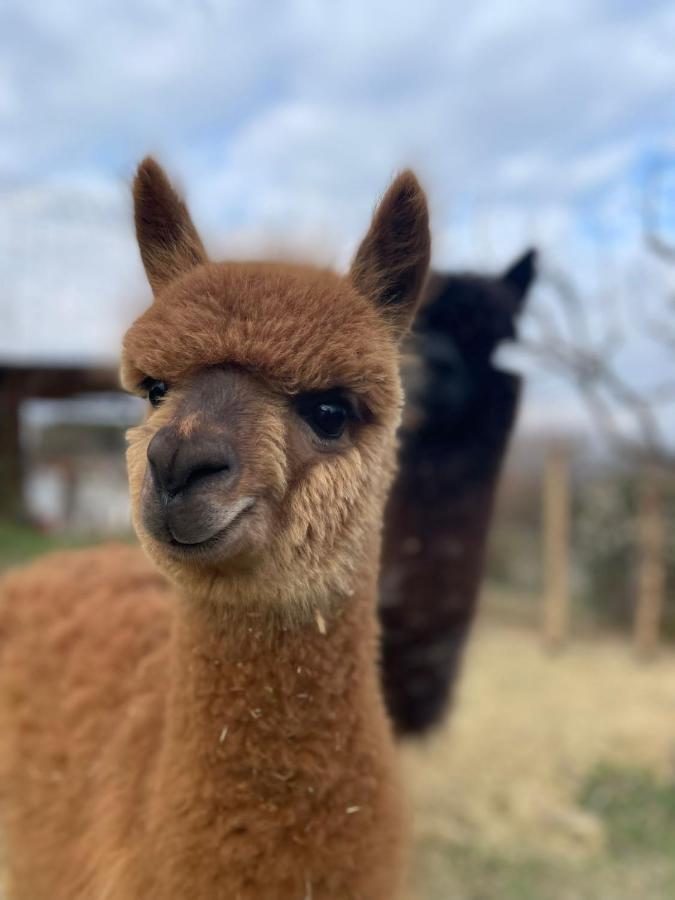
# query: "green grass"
x,y
638,811
20,543
638,862
468,873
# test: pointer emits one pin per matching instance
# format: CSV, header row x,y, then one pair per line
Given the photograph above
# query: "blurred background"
x,y
546,125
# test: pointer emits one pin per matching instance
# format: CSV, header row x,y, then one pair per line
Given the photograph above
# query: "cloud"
x,y
70,275
528,123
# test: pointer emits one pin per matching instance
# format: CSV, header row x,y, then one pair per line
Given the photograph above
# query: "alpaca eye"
x,y
156,390
326,414
329,420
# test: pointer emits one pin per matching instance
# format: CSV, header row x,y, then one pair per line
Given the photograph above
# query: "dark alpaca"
x,y
459,415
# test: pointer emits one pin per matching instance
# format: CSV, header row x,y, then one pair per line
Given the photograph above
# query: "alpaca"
x,y
213,726
459,415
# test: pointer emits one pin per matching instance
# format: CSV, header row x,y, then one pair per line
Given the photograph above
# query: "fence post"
x,y
11,497
651,565
556,547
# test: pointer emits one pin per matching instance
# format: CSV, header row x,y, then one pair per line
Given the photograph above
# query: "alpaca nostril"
x,y
178,464
161,453
202,472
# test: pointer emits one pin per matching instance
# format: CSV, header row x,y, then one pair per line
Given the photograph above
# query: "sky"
x,y
283,121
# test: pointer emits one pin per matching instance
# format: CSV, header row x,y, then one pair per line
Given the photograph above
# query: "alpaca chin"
x,y
201,531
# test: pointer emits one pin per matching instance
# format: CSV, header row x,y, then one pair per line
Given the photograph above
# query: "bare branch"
x,y
624,414
663,248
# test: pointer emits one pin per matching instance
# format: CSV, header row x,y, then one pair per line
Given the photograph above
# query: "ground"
x,y
554,778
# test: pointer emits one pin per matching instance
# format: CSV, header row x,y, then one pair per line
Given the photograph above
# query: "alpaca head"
x,y
462,319
476,312
260,472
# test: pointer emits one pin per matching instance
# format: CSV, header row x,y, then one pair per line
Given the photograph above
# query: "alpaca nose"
x,y
178,464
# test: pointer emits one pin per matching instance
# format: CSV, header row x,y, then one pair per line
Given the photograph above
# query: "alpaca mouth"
x,y
184,544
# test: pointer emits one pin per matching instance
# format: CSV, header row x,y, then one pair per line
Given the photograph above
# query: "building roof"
x,y
70,279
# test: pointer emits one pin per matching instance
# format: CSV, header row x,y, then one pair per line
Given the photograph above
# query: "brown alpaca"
x,y
225,737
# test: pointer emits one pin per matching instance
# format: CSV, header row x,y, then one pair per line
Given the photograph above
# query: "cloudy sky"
x,y
527,122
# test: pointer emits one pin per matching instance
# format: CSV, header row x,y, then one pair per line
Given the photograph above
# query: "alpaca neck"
x,y
284,736
244,678
270,712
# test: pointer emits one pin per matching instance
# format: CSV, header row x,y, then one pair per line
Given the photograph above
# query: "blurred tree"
x,y
627,404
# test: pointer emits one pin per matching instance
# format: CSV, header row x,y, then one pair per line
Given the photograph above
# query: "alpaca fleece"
x,y
280,749
214,727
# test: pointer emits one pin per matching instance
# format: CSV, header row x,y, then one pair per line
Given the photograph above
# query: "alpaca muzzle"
x,y
187,496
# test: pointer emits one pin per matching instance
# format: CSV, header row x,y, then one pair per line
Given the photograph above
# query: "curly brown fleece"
x,y
219,731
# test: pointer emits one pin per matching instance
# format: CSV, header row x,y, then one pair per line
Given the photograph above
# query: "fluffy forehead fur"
x,y
297,327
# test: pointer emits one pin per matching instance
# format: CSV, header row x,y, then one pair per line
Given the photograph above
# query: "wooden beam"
x,y
556,549
11,491
651,565
26,382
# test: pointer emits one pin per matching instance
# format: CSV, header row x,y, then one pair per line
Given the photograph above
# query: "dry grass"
x,y
497,794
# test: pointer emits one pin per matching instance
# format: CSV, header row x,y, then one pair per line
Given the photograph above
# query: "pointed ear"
x,y
167,238
391,264
520,275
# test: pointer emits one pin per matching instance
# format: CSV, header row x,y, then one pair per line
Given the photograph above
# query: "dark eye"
x,y
329,419
156,390
327,414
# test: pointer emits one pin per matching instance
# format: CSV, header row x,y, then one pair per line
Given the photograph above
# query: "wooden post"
x,y
11,494
556,547
651,566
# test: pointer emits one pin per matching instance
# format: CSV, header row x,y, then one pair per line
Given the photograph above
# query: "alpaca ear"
x,y
520,275
167,237
391,264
